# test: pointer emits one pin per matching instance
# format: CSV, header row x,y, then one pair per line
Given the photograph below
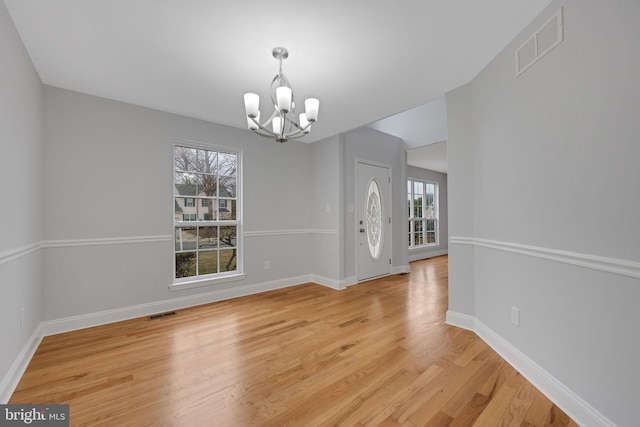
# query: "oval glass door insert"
x,y
373,220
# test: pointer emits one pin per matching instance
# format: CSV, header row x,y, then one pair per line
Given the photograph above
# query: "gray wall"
x,y
443,223
108,176
460,182
371,145
544,203
21,213
326,210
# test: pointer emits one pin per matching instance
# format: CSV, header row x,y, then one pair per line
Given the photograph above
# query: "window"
x,y
206,236
422,202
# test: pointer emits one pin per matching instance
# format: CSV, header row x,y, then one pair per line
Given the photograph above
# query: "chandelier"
x,y
282,120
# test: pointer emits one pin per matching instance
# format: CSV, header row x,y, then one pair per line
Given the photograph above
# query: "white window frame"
x,y
220,277
412,220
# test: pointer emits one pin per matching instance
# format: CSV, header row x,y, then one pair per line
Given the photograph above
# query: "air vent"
x,y
161,315
540,43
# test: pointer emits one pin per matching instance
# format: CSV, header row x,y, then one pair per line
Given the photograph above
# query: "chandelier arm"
x,y
283,122
262,128
270,135
297,125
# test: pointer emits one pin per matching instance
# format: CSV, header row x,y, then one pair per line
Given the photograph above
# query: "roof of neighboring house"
x,y
177,207
186,189
191,190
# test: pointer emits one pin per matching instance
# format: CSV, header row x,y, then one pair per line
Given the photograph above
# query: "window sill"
x,y
206,282
422,247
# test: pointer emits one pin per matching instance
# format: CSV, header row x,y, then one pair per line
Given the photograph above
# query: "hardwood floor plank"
x,y
375,354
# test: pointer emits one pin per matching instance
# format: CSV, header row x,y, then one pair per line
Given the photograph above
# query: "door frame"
x,y
357,225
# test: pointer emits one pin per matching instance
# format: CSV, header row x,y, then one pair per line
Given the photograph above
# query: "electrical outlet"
x,y
267,265
515,316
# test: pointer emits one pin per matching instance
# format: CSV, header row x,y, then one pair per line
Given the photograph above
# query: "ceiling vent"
x,y
542,41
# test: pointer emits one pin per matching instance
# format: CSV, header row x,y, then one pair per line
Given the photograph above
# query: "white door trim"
x,y
389,231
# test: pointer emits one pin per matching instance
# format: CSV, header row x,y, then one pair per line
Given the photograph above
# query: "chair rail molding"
x,y
609,265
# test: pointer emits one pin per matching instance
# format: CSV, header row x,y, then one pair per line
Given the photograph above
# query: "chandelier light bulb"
x,y
311,106
283,96
252,104
277,124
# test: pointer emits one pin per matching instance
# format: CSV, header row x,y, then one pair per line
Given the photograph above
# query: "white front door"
x,y
373,220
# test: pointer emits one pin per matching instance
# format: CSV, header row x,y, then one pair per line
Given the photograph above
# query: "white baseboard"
x,y
82,321
328,282
350,281
401,269
426,255
353,280
11,380
461,320
572,404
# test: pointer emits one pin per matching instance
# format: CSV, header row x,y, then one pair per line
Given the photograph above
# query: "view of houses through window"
x,y
205,212
422,204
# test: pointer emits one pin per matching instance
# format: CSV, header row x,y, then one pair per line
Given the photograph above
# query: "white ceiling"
x,y
364,60
432,157
423,130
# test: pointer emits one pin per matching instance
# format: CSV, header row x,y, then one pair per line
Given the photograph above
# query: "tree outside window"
x,y
206,218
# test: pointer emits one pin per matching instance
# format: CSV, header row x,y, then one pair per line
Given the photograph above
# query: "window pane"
x,y
227,210
430,194
178,208
207,237
228,236
207,209
207,262
207,185
431,237
417,238
185,264
418,188
431,225
185,238
186,184
184,158
207,161
228,260
417,207
227,186
227,164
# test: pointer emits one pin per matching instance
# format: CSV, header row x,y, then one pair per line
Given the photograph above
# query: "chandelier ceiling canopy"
x,y
282,124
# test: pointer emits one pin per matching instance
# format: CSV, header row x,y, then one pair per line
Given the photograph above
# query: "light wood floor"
x,y
377,353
